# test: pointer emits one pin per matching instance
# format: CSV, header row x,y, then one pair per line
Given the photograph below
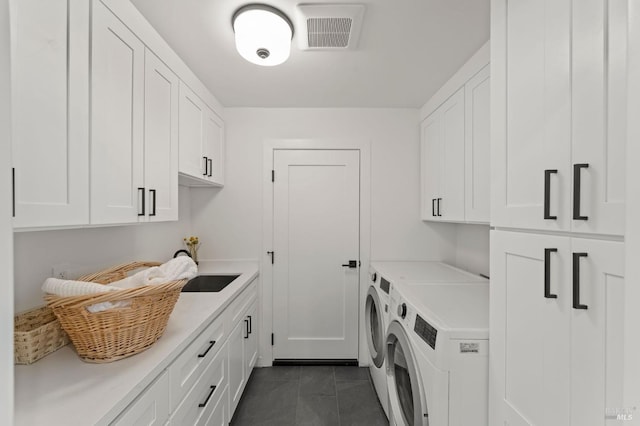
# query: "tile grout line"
x,y
335,384
295,416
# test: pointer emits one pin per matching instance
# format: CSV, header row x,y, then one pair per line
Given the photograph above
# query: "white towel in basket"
x,y
68,288
179,268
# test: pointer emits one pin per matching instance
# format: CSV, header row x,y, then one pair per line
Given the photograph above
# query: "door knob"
x,y
351,265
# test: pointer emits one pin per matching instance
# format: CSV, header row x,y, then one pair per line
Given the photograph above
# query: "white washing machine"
x,y
376,322
437,354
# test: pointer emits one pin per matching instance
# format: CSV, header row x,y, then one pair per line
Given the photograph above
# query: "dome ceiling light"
x,y
263,34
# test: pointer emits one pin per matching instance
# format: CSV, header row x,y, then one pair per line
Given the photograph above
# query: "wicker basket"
x,y
118,332
37,333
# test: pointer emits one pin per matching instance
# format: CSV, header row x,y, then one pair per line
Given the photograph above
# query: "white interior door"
x,y
316,198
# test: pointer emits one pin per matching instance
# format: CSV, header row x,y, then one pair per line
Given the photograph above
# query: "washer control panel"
x,y
426,331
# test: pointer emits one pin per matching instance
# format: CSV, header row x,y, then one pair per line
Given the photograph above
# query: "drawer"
x,y
235,311
220,414
185,371
150,408
203,398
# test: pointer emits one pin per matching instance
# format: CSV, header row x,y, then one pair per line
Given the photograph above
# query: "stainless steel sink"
x,y
209,283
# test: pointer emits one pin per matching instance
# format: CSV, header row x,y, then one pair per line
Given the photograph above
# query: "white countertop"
x,y
61,389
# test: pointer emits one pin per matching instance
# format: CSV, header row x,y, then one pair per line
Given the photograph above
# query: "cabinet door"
x,y
451,205
49,104
251,342
530,330
117,69
192,128
597,331
531,112
599,79
214,147
150,408
477,148
160,139
237,376
430,165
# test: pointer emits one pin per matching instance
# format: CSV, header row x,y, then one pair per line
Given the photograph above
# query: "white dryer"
x,y
376,322
437,354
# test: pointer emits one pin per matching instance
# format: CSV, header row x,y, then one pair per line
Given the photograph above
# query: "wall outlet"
x,y
64,271
59,272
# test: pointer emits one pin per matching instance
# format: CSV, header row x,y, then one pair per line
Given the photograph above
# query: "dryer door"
x,y
407,401
374,327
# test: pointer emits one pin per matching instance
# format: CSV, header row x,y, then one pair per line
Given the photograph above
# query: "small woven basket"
x,y
37,333
118,332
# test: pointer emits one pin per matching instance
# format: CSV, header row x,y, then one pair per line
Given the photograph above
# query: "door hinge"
x,y
273,175
272,339
13,191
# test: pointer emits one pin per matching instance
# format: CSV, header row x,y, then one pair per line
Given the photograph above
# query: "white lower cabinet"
x,y
243,345
237,378
185,371
251,340
203,397
557,327
203,385
150,408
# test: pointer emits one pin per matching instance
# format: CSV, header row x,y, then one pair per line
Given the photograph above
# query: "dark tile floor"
x,y
309,396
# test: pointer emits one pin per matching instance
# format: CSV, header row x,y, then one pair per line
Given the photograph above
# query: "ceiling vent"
x,y
329,26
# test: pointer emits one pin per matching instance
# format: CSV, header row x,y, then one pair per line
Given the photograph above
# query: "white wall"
x,y
6,235
229,221
92,249
472,248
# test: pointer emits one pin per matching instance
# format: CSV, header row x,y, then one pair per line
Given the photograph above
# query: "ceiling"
x,y
407,50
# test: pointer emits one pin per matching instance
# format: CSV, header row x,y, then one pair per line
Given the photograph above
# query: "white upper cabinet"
x,y
49,53
117,127
103,116
455,143
201,141
443,161
559,115
160,139
477,148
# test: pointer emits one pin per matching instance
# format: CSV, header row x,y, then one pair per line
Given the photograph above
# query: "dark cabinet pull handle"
x,y
153,191
433,207
576,281
206,166
547,194
206,401
210,161
211,343
547,273
246,323
439,199
13,192
142,197
250,325
576,191
351,265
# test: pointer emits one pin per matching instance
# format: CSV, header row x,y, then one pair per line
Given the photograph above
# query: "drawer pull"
x,y
246,329
250,325
206,401
211,343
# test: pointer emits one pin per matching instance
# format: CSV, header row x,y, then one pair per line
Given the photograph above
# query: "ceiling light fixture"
x,y
263,34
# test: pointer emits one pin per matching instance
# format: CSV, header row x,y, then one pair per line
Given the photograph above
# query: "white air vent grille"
x,y
329,26
328,32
